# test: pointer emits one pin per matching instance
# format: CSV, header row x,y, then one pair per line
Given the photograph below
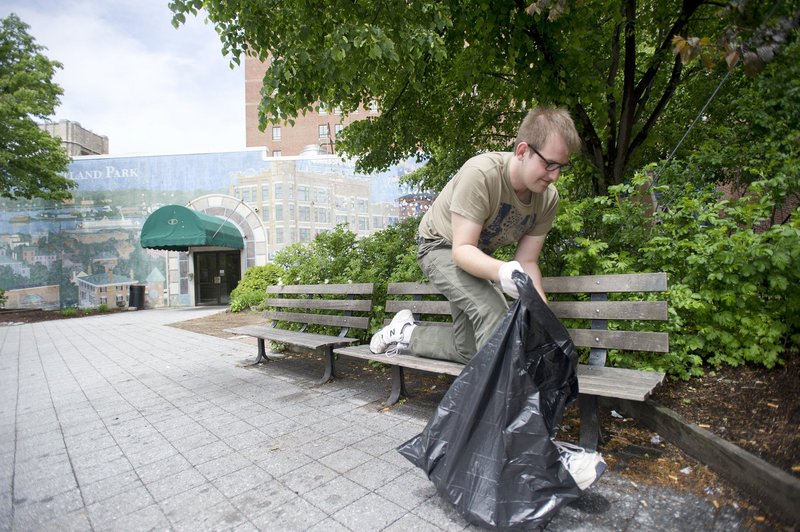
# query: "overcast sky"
x,y
130,75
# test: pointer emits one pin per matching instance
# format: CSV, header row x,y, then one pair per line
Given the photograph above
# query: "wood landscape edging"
x,y
777,490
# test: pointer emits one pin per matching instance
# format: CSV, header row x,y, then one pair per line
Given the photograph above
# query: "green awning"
x,y
175,228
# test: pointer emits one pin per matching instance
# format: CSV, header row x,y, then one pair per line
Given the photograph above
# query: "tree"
x,y
452,78
32,162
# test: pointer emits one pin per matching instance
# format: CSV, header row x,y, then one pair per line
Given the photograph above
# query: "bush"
x,y
251,290
69,312
3,298
733,289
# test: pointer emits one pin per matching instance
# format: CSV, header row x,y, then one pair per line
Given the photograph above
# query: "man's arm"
x,y
527,255
466,253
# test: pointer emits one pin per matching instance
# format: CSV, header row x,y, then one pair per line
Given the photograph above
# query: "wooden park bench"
x,y
595,379
292,308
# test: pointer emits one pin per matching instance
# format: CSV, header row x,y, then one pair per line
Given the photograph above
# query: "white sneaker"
x,y
584,466
395,332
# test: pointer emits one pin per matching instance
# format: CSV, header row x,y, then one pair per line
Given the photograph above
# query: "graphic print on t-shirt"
x,y
507,227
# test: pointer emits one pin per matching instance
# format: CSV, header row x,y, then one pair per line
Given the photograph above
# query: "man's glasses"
x,y
550,166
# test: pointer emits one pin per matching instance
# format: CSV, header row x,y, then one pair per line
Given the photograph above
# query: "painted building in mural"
x,y
87,252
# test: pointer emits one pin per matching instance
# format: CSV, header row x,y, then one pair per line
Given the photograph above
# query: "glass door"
x,y
216,274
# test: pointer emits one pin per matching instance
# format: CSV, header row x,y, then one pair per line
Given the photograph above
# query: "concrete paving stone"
x,y
223,465
375,445
371,512
345,459
257,500
335,495
177,427
118,418
210,412
319,447
100,456
222,430
29,514
308,477
222,516
183,506
90,442
77,521
206,453
148,454
133,429
119,505
409,490
49,444
163,468
176,483
44,467
411,523
108,487
373,474
438,510
281,428
144,520
293,410
247,526
260,416
246,440
82,427
194,441
397,460
277,461
292,516
98,471
328,525
30,489
242,480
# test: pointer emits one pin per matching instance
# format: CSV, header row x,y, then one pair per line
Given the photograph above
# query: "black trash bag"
x,y
488,448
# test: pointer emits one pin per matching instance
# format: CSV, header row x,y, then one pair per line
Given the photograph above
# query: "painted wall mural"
x,y
85,251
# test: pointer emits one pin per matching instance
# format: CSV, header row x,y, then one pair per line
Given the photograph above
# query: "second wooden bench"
x,y
595,379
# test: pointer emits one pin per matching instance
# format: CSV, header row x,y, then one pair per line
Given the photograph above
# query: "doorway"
x,y
216,274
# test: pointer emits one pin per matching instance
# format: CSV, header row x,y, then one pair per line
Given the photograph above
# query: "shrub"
x,y
69,312
251,290
3,298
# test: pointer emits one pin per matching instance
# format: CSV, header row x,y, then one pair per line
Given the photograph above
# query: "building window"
x,y
278,191
321,195
279,236
305,235
321,216
337,110
363,205
265,213
338,128
303,193
246,194
323,131
341,219
377,222
304,214
363,223
276,133
278,213
265,193
276,153
323,109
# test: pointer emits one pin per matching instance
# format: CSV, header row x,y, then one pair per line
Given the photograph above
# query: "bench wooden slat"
x,y
411,289
357,288
359,322
626,340
363,305
308,340
610,310
419,307
618,382
634,282
596,380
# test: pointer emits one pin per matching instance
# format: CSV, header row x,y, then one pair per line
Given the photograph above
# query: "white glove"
x,y
506,282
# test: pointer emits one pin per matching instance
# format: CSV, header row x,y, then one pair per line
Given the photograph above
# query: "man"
x,y
495,199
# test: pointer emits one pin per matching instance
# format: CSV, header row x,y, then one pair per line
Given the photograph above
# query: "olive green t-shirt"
x,y
481,192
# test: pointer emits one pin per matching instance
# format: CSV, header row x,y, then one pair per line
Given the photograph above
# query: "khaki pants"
x,y
477,306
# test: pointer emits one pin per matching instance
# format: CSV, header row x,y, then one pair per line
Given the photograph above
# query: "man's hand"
x,y
506,282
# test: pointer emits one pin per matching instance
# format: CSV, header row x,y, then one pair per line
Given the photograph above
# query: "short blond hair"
x,y
542,122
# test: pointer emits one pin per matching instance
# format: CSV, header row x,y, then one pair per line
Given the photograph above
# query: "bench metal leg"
x,y
329,369
398,386
590,421
262,352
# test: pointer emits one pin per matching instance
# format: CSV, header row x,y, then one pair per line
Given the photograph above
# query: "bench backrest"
x,y
426,302
321,304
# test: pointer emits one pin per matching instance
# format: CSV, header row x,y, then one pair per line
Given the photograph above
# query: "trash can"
x,y
136,297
